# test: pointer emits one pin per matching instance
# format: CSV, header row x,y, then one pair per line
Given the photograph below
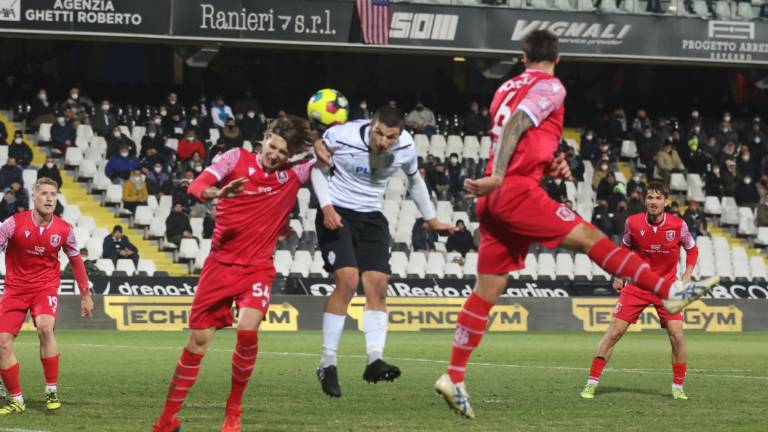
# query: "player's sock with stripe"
x,y
51,372
333,326
598,364
184,378
11,381
678,374
375,329
243,361
625,263
470,327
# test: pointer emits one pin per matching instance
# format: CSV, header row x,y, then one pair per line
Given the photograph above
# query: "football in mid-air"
x,y
328,107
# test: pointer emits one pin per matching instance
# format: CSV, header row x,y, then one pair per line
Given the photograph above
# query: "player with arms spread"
x,y
32,241
656,236
260,192
514,211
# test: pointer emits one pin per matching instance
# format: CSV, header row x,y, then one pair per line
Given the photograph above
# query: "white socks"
x,y
676,386
333,325
50,388
592,381
19,399
375,329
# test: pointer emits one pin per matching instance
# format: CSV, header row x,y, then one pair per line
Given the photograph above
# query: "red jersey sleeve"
x,y
6,231
542,99
70,246
224,164
626,239
689,244
303,168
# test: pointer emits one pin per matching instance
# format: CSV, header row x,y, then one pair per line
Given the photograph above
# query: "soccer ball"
x,y
328,107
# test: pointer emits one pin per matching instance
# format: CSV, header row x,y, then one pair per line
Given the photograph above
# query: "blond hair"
x,y
45,181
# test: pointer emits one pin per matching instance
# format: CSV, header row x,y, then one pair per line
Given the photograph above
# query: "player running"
x,y
32,241
260,192
353,233
657,237
515,211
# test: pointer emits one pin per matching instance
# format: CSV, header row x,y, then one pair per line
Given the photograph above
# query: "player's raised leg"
x,y
375,322
243,362
49,357
347,279
616,330
9,371
679,358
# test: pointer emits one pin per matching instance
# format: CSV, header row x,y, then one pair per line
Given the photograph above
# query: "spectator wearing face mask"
x,y
601,171
455,174
8,205
156,122
648,145
696,219
221,113
728,152
667,162
40,109
616,126
172,104
360,112
744,164
730,178
231,134
20,151
555,188
154,141
167,123
590,146
135,191
104,121
696,131
196,124
10,172
605,188
575,164
641,122
252,125
746,193
117,140
21,194
51,171
120,165
159,183
461,240
714,182
190,144
726,133
711,148
602,218
194,164
756,139
474,123
421,119
693,158
63,135
78,99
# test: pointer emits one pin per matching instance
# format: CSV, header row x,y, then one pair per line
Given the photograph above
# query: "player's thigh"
x,y
45,308
501,251
216,290
256,292
372,251
337,246
672,322
630,305
13,312
249,318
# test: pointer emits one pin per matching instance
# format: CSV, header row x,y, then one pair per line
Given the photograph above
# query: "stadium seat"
x,y
565,266
417,263
86,222
94,246
422,145
470,264
87,170
564,5
762,237
29,177
164,206
723,9
247,146
137,134
531,269
609,6
747,226
283,262
757,268
71,214
582,267
730,212
73,156
82,143
2,264
296,227
452,270
126,265
302,261
172,143
146,266
85,130
598,274
82,236
585,5
318,266
309,221
744,11
700,9
197,226
44,132
677,183
695,188
712,206
740,264
114,195
143,216
444,210
437,145
3,154
105,265
188,249
213,133
156,228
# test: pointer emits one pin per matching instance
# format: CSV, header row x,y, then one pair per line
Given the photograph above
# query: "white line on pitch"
x,y
20,430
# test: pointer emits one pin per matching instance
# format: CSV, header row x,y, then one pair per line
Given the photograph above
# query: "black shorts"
x,y
363,241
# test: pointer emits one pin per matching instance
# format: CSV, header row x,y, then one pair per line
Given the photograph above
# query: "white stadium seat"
x,y
301,263
417,264
762,236
188,249
143,216
283,262
73,156
564,263
470,264
114,194
146,266
582,267
86,222
126,265
712,206
44,132
94,246
757,268
105,265
531,266
677,182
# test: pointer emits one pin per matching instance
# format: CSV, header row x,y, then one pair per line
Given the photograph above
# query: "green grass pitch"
x,y
112,381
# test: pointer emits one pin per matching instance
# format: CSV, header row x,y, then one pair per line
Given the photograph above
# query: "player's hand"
x,y
618,284
482,186
233,189
86,307
322,153
331,219
440,227
560,168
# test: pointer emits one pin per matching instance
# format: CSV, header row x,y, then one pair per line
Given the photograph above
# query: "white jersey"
x,y
354,184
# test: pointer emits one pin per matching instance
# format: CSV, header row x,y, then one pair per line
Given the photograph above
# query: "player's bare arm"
x,y
513,131
319,176
231,190
322,152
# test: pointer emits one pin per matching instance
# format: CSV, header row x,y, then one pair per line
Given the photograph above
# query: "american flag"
x,y
374,20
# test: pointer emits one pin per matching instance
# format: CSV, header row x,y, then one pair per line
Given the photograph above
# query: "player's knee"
x,y
6,344
198,342
45,331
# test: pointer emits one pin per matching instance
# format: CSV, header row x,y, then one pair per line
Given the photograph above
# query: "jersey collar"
x,y
32,216
365,133
657,226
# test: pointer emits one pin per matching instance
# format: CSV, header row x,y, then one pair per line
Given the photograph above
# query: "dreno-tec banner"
x,y
294,313
413,27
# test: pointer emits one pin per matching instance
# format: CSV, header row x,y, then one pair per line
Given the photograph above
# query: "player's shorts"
x,y
632,301
362,242
14,307
220,284
511,218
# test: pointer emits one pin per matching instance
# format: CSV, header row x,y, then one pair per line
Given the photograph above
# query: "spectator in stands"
x,y
730,177
641,122
461,240
117,140
568,203
209,222
745,166
575,163
667,162
198,125
156,122
51,171
485,113
8,205
590,146
726,134
21,194
3,134
166,122
217,149
618,196
697,132
762,186
693,158
172,104
117,246
695,219
635,204
455,176
195,164
711,148
40,109
154,140
177,126
616,128
361,111
607,152
421,119
20,151
90,266
746,194
555,188
231,134
159,183
761,220
120,165
177,225
438,180
422,239
756,137
77,99
190,144
714,182
9,172
648,145
151,157
252,126
474,123
636,183
674,209
619,221
63,135
601,171
135,191
602,218
220,112
605,188
728,152
189,203
104,122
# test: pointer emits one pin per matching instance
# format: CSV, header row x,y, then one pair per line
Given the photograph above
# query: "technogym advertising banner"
x,y
413,26
293,313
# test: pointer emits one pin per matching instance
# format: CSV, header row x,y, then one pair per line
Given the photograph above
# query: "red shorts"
x,y
512,217
15,305
221,284
632,302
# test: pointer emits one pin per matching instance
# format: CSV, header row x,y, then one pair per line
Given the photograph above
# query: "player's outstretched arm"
x,y
322,152
513,131
331,218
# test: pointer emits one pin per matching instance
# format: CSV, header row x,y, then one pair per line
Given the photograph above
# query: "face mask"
x,y
636,179
695,114
60,120
116,134
49,165
697,129
73,95
158,121
454,160
589,137
18,140
716,171
745,158
363,106
42,96
757,140
726,129
105,107
747,180
558,181
647,134
604,167
198,168
193,122
251,114
727,118
124,154
604,148
163,113
158,170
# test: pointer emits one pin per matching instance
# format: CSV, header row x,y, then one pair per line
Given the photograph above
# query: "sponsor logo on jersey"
x,y
655,247
565,214
574,32
26,233
55,240
670,235
423,26
282,176
595,315
434,314
251,170
642,233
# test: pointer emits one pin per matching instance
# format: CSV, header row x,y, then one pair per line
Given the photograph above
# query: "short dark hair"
x,y
388,116
541,45
659,187
117,228
294,130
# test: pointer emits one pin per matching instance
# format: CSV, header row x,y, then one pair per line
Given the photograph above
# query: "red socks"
x,y
598,364
184,378
470,327
625,263
11,380
51,369
243,360
678,373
